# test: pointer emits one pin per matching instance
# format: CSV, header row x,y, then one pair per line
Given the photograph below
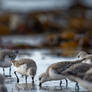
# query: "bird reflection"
x,y
26,86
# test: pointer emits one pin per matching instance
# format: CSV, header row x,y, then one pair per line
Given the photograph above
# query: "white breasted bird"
x,y
54,71
26,67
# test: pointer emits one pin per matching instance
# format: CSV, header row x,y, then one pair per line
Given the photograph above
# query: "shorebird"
x,y
2,85
88,57
5,56
75,71
26,67
54,71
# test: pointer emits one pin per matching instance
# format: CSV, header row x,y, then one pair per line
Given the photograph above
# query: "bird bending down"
x,y
54,71
76,71
26,67
5,56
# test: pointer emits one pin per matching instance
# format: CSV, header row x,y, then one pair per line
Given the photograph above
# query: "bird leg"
x,y
32,79
3,71
26,79
66,83
77,86
60,83
10,71
16,77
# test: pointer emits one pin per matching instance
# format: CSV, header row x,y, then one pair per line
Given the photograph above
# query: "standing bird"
x,y
88,57
26,67
54,71
5,56
2,85
76,71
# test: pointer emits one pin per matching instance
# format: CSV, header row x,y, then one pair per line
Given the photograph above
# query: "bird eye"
x,y
40,78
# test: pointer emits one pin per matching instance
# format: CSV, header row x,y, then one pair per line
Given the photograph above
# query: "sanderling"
x,y
26,67
54,71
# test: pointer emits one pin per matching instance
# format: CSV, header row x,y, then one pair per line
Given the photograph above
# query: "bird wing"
x,y
78,69
88,77
60,67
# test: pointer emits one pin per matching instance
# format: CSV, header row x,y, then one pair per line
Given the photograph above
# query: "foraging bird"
x,y
26,67
5,56
54,71
75,70
2,85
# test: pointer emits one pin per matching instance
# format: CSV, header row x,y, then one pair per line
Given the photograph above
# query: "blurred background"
x,y
62,26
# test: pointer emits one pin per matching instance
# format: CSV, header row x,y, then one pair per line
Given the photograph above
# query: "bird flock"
x,y
78,71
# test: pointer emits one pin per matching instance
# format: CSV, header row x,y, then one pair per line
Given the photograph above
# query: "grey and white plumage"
x,y
77,71
2,85
85,80
5,56
83,54
26,67
54,71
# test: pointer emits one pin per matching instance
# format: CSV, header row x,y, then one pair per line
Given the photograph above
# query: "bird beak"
x,y
40,84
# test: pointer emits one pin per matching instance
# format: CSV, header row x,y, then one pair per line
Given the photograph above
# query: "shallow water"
x,y
34,5
43,60
21,39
